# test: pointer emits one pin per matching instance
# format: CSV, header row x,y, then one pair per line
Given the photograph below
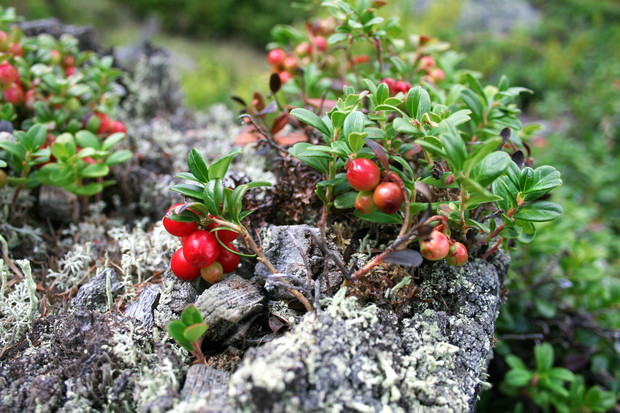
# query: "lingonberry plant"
x,y
57,100
211,221
405,137
188,331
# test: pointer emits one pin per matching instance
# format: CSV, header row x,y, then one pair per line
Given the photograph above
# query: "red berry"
x,y
201,248
212,273
30,98
117,127
321,43
457,254
8,74
229,261
14,94
224,235
276,57
16,49
183,269
285,76
402,86
391,84
104,126
363,174
70,71
303,49
364,202
176,228
388,197
68,61
436,247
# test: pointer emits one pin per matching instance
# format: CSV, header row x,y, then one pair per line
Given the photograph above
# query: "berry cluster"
x,y
205,252
434,74
364,176
286,64
396,86
438,246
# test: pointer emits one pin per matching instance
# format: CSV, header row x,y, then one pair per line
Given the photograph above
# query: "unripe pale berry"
x,y
457,255
436,247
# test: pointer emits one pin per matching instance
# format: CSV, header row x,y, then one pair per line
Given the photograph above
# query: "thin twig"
x,y
267,136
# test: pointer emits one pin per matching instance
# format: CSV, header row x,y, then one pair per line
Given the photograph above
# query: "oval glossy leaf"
x,y
194,332
197,166
311,119
539,211
175,329
380,218
518,377
87,190
95,170
112,140
354,122
345,200
87,139
409,258
219,168
490,168
191,315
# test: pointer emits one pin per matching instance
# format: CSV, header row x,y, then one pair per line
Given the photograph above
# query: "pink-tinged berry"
x,y
285,76
55,58
363,174
213,273
68,61
388,197
276,57
183,269
365,203
321,43
16,49
30,97
303,49
14,94
8,74
427,62
177,228
436,247
457,255
201,249
290,63
402,86
437,75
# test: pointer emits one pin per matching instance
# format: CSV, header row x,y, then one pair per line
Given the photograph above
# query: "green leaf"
x,y
404,126
459,117
354,122
490,168
175,329
473,102
561,374
383,92
418,102
14,149
85,152
192,191
337,38
545,178
118,157
87,190
518,377
539,211
191,315
316,160
515,362
356,141
112,140
476,86
194,332
311,119
38,133
186,175
87,139
345,200
219,168
95,170
197,166
455,151
380,217
214,196
544,357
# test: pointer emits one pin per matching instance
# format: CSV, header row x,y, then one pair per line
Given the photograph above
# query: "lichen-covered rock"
x,y
204,391
354,358
94,294
175,296
141,309
229,305
87,361
294,253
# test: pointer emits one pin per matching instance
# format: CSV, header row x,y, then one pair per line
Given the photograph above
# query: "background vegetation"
x,y
564,288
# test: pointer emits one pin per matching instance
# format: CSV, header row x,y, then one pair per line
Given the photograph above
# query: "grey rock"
x,y
93,295
293,252
175,296
363,358
206,388
229,305
86,35
142,308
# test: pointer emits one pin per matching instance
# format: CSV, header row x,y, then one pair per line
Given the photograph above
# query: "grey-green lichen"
x,y
18,309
